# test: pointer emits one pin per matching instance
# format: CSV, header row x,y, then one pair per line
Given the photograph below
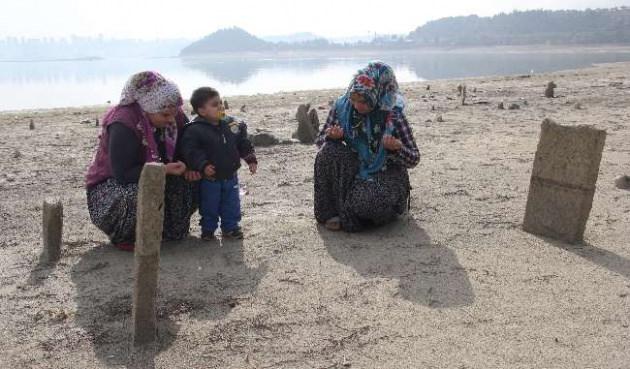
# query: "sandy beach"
x,y
455,284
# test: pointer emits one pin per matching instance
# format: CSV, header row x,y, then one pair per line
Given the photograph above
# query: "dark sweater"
x,y
222,145
126,153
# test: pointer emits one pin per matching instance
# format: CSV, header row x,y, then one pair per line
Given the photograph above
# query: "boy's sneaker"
x,y
236,234
208,236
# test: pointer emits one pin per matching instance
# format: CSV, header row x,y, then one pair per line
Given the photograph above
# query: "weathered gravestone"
x,y
563,181
308,124
149,223
52,228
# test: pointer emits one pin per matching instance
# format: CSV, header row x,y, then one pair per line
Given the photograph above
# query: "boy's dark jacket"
x,y
222,145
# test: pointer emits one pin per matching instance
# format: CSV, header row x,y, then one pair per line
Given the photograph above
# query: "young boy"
x,y
214,144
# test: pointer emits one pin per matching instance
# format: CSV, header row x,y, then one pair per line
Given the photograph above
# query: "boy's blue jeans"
x,y
220,198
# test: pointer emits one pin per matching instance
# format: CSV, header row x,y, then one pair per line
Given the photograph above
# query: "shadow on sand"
x,y
429,274
596,255
201,280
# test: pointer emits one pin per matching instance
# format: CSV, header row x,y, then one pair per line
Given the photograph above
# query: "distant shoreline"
x,y
625,48
52,60
362,52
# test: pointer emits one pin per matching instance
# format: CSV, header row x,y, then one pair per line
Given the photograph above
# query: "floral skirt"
x,y
112,208
358,203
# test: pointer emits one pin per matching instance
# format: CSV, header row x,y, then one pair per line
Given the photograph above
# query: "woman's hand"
x,y
334,132
391,143
192,176
175,169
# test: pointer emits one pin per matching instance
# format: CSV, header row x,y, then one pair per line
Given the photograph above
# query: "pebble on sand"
x,y
622,182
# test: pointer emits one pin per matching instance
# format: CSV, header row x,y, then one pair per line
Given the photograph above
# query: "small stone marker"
x,y
549,91
149,223
313,119
52,222
563,181
226,105
31,125
308,124
302,112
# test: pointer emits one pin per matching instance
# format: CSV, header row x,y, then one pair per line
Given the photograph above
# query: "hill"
x,y
226,40
528,27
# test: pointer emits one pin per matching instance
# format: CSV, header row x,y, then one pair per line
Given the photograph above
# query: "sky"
x,y
193,19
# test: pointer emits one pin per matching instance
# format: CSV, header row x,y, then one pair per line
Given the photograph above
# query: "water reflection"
x,y
466,64
240,70
87,82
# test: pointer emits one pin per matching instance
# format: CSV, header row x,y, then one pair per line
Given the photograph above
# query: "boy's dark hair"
x,y
201,95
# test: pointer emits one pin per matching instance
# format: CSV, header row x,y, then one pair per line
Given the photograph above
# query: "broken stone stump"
x,y
52,216
31,125
563,181
313,119
302,112
149,223
308,124
549,91
263,139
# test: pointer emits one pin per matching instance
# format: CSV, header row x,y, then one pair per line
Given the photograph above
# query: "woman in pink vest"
x,y
142,128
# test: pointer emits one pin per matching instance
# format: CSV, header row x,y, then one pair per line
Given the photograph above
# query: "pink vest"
x,y
132,117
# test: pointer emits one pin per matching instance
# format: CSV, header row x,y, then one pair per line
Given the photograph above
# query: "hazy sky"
x,y
149,19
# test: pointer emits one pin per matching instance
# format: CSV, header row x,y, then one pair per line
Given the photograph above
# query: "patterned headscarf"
x,y
144,92
377,84
151,91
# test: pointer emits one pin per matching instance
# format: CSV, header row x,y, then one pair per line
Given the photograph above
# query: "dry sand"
x,y
457,284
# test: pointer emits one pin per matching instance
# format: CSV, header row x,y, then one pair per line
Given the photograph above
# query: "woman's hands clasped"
x,y
334,133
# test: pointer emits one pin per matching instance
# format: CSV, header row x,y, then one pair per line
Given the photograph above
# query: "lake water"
x,y
26,85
